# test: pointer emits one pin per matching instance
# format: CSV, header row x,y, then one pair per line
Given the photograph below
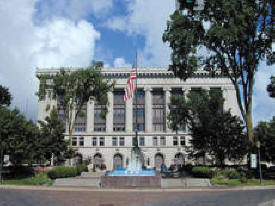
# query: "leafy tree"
x,y
18,137
265,133
214,131
271,87
73,89
52,136
5,96
239,37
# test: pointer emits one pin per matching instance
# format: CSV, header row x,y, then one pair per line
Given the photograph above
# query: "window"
x,y
74,141
141,141
80,122
101,141
162,141
139,111
158,111
134,141
119,111
99,122
81,141
182,141
155,141
94,142
121,141
114,141
175,140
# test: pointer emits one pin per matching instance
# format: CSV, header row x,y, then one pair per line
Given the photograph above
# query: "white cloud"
x,y
73,9
24,46
263,105
147,18
120,62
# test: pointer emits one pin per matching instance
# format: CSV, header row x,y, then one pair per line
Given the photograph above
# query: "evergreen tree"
x,y
5,96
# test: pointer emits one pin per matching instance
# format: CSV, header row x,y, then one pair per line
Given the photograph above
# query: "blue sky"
x,y
55,33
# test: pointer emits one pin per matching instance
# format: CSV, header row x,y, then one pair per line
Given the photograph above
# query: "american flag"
x,y
131,83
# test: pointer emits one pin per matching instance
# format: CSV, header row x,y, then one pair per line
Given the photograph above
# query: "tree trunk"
x,y
249,126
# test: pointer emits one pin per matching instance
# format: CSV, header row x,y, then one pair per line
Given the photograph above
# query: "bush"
x,y
81,168
229,173
243,180
200,171
18,172
61,172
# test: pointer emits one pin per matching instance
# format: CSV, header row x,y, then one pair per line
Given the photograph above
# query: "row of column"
x,y
129,111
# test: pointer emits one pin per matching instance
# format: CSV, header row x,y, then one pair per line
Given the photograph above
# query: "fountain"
x,y
133,176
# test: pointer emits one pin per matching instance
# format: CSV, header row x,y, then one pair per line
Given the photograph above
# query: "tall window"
x,y
74,141
81,119
114,141
182,141
101,141
99,122
94,141
177,92
162,141
217,91
121,141
140,111
175,141
141,141
81,141
158,109
119,111
155,141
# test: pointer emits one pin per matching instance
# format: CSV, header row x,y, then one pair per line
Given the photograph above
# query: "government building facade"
x,y
109,141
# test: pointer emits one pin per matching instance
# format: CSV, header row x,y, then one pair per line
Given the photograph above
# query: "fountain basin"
x,y
125,172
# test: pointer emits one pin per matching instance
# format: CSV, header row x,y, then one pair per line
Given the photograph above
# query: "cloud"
x,y
120,62
147,18
24,46
72,9
263,105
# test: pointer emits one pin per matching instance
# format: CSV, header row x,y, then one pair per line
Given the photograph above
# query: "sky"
x,y
60,33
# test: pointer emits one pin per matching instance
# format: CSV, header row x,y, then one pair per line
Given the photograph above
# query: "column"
x,y
129,115
110,114
167,102
90,115
186,91
148,109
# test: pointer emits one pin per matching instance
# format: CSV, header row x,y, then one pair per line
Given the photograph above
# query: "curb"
x,y
89,189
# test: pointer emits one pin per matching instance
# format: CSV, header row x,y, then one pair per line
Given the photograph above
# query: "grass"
x,y
38,179
237,182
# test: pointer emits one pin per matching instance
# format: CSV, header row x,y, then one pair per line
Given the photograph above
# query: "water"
x,y
134,168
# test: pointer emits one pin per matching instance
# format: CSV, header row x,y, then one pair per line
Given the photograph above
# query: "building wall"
x,y
149,80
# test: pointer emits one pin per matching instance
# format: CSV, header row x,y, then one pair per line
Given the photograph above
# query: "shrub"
x,y
243,180
18,172
81,168
200,171
229,173
61,172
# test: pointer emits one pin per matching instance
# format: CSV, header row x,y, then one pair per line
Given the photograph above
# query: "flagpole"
x,y
136,103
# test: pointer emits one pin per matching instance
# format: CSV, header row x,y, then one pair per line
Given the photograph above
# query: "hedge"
x,y
200,171
81,168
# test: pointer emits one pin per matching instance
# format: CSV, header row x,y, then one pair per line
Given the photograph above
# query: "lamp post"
x,y
258,145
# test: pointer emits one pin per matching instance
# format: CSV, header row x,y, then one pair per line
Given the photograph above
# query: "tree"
x,y
239,37
18,137
5,96
52,136
265,133
73,89
271,87
214,131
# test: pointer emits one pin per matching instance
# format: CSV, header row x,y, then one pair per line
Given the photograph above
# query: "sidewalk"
x,y
174,189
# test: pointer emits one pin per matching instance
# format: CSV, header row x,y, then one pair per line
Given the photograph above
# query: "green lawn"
x,y
237,182
39,179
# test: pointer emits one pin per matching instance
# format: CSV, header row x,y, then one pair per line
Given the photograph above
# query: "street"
x,y
14,197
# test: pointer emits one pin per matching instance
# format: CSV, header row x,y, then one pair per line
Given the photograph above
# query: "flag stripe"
x,y
130,87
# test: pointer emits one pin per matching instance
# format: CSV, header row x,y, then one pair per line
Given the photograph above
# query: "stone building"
x,y
109,141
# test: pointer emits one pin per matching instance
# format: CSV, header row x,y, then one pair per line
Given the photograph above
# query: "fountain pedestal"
x,y
130,181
